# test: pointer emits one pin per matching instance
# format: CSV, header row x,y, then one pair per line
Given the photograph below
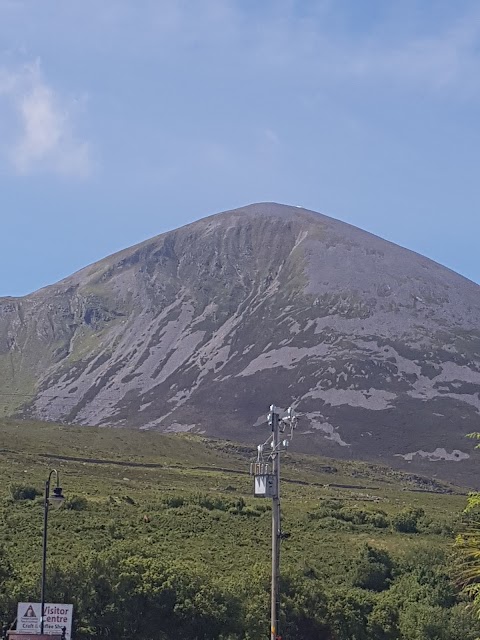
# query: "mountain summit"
x,y
201,328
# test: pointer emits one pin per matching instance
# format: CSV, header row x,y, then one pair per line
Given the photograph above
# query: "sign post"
x,y
57,617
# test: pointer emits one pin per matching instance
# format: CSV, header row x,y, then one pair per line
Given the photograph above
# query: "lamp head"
x,y
56,500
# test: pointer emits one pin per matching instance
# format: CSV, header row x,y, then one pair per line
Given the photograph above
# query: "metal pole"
x,y
44,560
275,527
45,528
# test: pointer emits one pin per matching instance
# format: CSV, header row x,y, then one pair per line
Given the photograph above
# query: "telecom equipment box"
x,y
264,482
265,486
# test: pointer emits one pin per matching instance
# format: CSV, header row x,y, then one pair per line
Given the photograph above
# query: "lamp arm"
x,y
53,471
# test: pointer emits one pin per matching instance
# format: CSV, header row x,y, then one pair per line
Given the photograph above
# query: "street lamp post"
x,y
55,501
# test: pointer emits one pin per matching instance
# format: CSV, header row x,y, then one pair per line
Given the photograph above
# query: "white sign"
x,y
56,617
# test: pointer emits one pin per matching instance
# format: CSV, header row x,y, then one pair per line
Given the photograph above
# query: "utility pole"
x,y
274,605
266,472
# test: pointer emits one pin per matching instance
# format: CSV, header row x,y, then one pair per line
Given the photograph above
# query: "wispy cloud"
x,y
45,139
279,35
442,61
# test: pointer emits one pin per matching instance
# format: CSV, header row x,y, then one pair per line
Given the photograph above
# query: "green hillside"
x,y
160,537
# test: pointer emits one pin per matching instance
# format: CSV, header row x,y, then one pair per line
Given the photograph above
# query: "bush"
x,y
373,570
378,520
352,514
334,524
75,503
438,527
174,502
406,520
23,492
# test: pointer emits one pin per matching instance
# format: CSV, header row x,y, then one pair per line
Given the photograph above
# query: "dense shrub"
x,y
348,513
378,519
23,492
75,503
373,569
173,502
406,520
126,592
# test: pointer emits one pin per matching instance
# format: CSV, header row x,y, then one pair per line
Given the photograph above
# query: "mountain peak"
x,y
270,209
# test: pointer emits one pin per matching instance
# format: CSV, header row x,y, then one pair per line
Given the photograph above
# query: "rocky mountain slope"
x,y
203,327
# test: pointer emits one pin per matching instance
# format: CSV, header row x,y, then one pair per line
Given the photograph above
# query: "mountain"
x,y
202,328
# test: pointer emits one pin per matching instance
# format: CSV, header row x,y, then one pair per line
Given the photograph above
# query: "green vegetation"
x,y
18,380
20,492
160,538
467,547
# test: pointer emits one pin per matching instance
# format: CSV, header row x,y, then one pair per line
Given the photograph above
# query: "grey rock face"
x,y
202,328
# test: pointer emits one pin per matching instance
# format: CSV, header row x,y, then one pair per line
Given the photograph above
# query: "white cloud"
x,y
45,139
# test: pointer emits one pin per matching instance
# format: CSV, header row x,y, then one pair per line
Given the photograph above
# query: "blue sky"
x,y
120,119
